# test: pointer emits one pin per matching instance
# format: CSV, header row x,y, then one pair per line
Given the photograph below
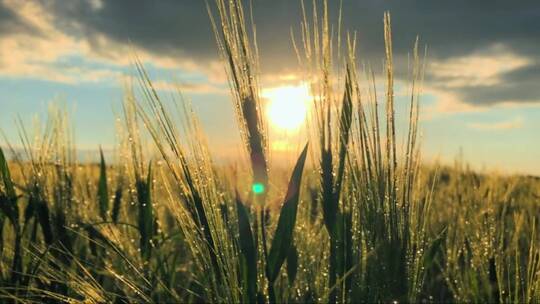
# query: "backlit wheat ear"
x,y
239,53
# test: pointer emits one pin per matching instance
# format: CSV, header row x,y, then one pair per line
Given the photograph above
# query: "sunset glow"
x,y
287,106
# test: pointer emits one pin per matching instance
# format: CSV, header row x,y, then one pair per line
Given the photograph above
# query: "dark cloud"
x,y
167,27
506,92
171,27
450,28
181,28
529,73
520,85
10,23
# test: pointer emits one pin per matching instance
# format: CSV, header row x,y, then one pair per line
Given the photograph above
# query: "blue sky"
x,y
481,94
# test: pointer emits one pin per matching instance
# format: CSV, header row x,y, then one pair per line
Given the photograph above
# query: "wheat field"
x,y
359,218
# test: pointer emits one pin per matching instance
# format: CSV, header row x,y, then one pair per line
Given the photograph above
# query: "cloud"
x,y
516,123
485,68
192,88
36,49
482,54
33,44
494,76
11,23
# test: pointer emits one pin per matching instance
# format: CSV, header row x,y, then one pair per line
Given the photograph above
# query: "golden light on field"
x,y
287,106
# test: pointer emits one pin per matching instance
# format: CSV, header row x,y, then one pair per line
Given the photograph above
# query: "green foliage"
x,y
117,202
292,264
283,237
10,209
146,214
103,192
9,188
248,250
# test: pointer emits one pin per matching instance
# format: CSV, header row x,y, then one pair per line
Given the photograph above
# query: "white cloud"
x,y
516,123
195,88
37,54
450,80
478,69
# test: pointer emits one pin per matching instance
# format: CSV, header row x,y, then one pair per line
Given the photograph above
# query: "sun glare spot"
x,y
287,106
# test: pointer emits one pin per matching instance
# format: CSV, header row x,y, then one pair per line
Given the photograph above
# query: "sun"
x,y
287,106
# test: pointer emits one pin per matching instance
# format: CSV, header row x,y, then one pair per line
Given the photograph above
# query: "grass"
x,y
360,219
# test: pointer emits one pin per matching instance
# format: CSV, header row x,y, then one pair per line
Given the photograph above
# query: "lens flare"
x,y
257,188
